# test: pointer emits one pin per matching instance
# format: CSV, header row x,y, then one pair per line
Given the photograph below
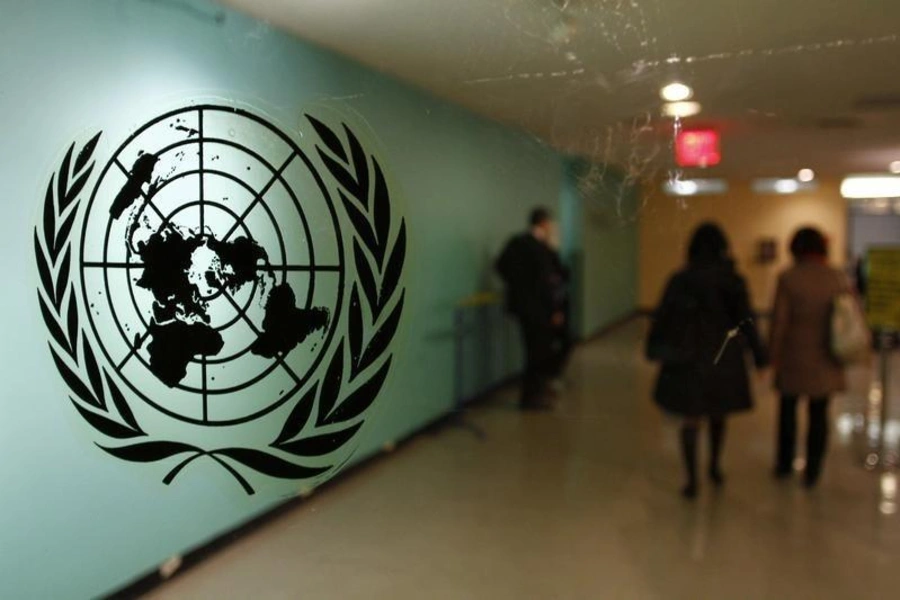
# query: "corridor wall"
x,y
76,522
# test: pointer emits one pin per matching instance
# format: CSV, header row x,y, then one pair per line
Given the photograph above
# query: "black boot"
x,y
787,437
689,455
716,439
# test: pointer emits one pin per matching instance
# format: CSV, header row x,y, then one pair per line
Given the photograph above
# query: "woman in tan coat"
x,y
800,353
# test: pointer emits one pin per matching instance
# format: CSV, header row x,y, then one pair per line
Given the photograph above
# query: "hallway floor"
x,y
579,503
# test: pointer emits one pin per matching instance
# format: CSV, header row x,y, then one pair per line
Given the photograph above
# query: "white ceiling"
x,y
584,75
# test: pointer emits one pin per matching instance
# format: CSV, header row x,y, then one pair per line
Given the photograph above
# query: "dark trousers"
x,y
539,359
816,439
561,349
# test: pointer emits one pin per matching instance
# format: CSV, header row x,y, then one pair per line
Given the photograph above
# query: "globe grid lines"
x,y
250,152
239,222
225,175
167,219
258,198
283,266
263,268
182,208
136,346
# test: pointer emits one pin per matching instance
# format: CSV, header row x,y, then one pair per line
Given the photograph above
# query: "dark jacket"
x,y
560,283
700,305
528,268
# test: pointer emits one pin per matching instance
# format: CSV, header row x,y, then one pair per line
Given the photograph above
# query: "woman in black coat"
x,y
700,333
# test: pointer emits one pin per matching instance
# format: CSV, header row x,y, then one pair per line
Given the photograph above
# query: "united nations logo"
x,y
214,289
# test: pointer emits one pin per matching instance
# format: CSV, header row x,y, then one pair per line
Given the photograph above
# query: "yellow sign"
x,y
883,288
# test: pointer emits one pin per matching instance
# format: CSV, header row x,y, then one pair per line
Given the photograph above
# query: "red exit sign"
x,y
697,148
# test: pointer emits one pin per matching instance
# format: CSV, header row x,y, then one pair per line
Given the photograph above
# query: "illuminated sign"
x,y
697,148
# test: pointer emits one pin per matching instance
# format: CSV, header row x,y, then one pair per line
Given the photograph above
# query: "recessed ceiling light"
x,y
895,167
782,186
676,92
786,186
686,188
681,110
806,175
695,187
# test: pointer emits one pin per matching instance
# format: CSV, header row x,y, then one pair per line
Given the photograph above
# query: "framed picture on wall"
x,y
766,251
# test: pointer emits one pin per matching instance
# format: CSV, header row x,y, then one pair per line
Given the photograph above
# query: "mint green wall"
x,y
571,219
75,523
607,245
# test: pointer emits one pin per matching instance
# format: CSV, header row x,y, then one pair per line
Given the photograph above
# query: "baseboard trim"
x,y
611,326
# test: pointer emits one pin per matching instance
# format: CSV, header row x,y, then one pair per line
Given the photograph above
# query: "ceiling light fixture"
x,y
782,186
685,188
806,175
870,186
681,110
695,187
786,186
676,92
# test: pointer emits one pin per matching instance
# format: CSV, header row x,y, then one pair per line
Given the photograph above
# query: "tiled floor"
x,y
579,503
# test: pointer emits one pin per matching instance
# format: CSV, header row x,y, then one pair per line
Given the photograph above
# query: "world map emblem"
x,y
220,288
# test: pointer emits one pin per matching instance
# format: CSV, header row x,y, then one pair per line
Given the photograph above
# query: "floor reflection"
x,y
868,419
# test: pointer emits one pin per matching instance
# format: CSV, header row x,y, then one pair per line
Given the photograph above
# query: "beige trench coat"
x,y
799,334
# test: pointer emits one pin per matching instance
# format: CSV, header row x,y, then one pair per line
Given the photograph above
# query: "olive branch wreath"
x,y
379,255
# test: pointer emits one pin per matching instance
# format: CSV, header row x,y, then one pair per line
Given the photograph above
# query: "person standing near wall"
x,y
801,357
527,266
700,333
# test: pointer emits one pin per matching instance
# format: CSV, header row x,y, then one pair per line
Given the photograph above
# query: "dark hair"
x,y
708,244
807,242
539,216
